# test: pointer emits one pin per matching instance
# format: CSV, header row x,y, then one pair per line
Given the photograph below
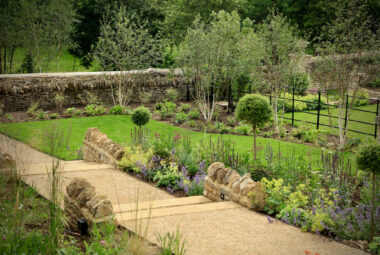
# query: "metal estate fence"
x,y
350,105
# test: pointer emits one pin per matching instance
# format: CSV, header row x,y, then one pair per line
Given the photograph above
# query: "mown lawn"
x,y
356,115
118,128
68,63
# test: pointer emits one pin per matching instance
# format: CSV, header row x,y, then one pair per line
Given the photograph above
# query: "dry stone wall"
x,y
97,147
82,202
223,183
19,91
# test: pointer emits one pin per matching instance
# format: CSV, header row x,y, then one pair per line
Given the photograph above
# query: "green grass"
x,y
118,128
68,63
356,115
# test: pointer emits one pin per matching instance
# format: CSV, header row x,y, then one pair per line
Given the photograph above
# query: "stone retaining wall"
x,y
19,91
226,184
82,202
97,147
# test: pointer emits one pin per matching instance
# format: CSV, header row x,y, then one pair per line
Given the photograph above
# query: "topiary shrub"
x,y
368,159
141,116
255,110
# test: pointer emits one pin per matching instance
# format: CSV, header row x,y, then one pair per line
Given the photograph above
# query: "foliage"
x,y
231,121
243,129
286,103
164,144
300,82
215,54
9,116
145,97
115,50
171,95
368,157
135,158
119,110
27,65
141,116
41,115
283,49
374,246
181,118
185,108
94,110
172,243
312,102
253,109
167,176
32,110
59,101
194,114
168,110
73,112
221,128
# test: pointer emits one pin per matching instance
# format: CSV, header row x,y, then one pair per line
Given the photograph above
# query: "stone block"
x,y
77,186
213,168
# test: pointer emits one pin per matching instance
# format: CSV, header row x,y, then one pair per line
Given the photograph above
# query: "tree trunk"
x,y
254,143
11,57
5,59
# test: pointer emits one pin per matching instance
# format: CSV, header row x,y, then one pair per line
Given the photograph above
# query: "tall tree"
x,y
180,14
282,51
125,45
214,55
348,47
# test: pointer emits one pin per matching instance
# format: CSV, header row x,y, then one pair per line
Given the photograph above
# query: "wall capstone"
x,y
81,201
226,184
97,147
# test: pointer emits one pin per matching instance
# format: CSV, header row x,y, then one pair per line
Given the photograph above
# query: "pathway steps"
x,y
209,227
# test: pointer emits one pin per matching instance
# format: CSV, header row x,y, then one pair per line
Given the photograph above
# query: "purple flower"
x,y
102,242
170,189
173,151
269,219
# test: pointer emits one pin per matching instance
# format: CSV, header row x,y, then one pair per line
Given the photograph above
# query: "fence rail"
x,y
319,104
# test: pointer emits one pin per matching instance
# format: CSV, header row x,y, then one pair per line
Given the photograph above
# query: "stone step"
x,y
175,210
146,205
68,166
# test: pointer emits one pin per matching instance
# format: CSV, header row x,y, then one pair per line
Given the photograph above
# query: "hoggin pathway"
x,y
209,227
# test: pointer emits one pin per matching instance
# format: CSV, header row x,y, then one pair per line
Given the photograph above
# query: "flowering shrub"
x,y
168,176
135,158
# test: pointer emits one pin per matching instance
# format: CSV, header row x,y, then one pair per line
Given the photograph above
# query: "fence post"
x,y
292,109
377,116
346,117
229,99
319,107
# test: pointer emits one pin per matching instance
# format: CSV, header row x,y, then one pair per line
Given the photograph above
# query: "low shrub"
x,y
185,108
180,118
287,103
135,158
32,110
375,83
158,106
168,110
243,129
41,115
172,95
312,102
221,128
145,97
231,121
194,114
9,116
54,116
119,110
94,110
361,98
168,176
193,124
73,112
